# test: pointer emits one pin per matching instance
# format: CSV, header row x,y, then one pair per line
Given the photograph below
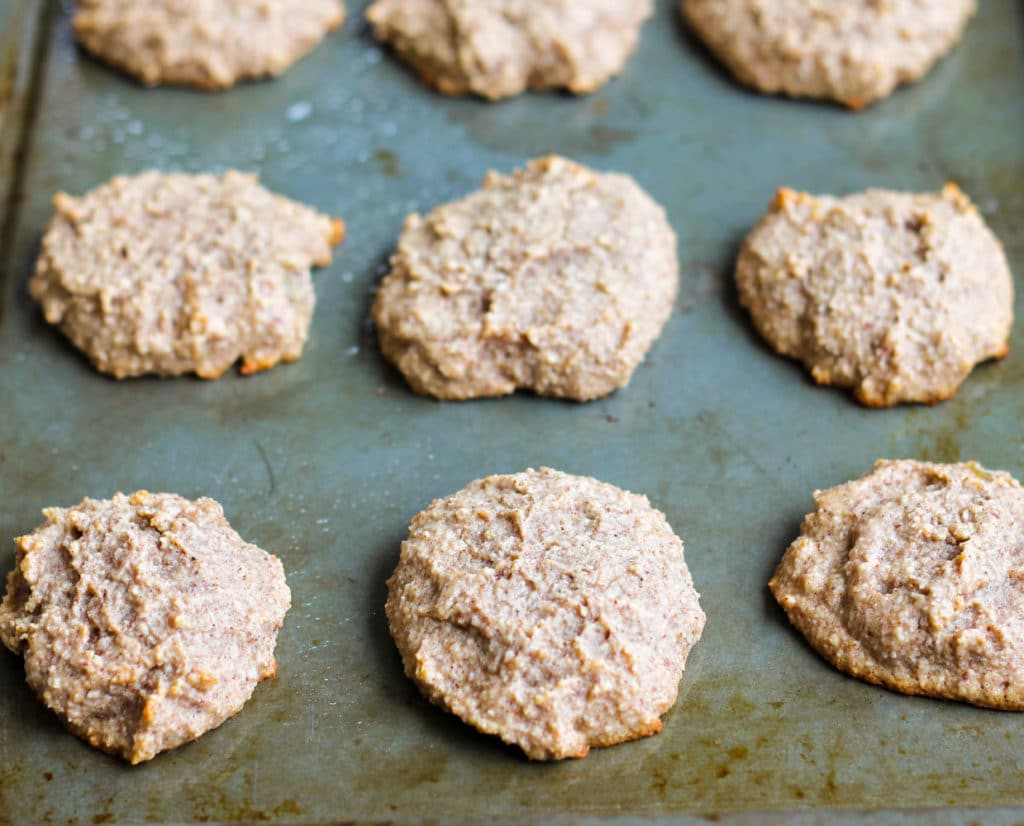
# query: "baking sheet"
x,y
325,461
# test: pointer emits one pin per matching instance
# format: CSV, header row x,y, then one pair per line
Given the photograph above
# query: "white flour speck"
x,y
299,111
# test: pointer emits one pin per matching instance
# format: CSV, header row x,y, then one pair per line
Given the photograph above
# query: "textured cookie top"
x,y
144,620
497,48
208,44
912,577
852,52
556,279
554,611
172,274
894,295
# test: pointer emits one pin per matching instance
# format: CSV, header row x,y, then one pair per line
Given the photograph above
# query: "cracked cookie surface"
x,y
556,279
896,296
499,48
551,610
167,274
144,620
912,577
851,52
206,44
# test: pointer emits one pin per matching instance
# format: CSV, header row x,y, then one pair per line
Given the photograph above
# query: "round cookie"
x,y
499,48
894,295
207,44
912,577
852,52
172,274
144,620
553,611
556,279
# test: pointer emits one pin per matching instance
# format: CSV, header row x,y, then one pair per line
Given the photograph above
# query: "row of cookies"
x,y
556,612
556,279
852,53
566,720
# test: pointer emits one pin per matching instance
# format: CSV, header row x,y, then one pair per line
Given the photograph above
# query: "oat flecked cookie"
x,y
894,295
912,577
852,52
556,279
207,44
499,48
172,274
553,611
144,620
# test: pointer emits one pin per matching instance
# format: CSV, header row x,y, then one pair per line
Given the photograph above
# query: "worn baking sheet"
x,y
324,461
20,24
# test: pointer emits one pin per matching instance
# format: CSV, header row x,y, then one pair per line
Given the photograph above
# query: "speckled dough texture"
x,y
556,279
912,577
852,52
144,620
894,295
498,48
172,274
207,44
553,611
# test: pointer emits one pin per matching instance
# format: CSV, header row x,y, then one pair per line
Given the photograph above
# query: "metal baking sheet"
x,y
325,461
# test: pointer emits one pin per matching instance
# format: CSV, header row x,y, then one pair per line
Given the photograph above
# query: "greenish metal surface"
x,y
20,23
325,461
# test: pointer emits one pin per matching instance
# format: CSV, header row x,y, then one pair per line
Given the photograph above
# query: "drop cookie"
x,y
172,274
851,52
144,620
553,611
206,44
896,296
556,279
912,577
499,48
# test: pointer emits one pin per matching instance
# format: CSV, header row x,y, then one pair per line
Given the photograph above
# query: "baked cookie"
x,y
553,611
894,295
556,279
852,52
912,577
207,44
172,274
499,48
144,620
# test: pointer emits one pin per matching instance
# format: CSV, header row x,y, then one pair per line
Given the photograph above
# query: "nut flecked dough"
x,y
912,577
144,620
206,44
169,274
896,296
851,52
551,610
499,48
556,279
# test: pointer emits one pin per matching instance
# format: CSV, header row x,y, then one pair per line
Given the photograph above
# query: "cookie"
x,y
144,620
499,48
896,296
172,274
556,279
912,577
553,611
851,52
206,44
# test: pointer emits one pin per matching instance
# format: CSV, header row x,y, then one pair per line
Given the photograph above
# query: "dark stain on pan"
x,y
8,74
547,123
388,163
218,808
938,439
